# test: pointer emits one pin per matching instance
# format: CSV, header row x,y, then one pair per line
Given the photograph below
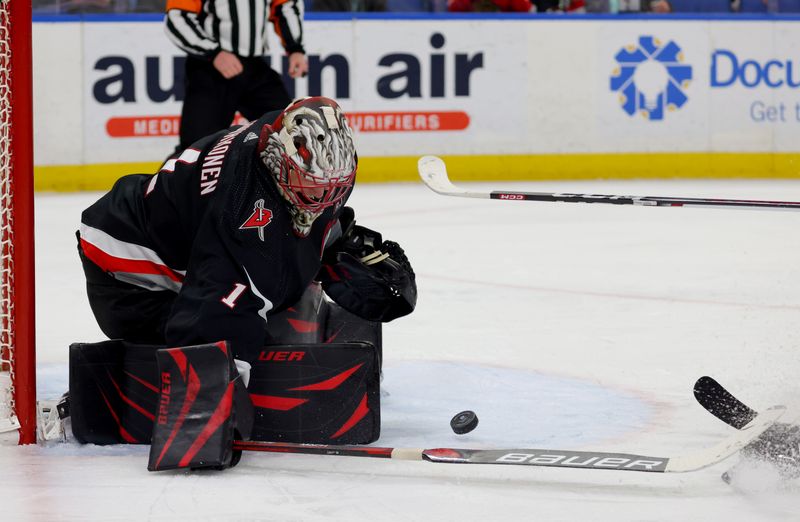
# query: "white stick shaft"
x,y
433,172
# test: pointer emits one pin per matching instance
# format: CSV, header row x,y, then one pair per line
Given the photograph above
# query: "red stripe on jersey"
x,y
111,263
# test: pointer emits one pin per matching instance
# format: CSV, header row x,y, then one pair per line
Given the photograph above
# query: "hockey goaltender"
x,y
240,297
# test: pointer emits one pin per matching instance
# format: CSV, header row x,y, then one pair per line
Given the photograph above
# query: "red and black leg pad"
x,y
113,392
317,393
203,405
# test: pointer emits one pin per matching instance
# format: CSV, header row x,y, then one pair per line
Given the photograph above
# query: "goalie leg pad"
x,y
203,404
113,392
317,393
115,387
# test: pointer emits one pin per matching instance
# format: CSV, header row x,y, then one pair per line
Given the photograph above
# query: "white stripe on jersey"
x,y
245,19
152,184
187,156
293,12
151,282
226,28
267,303
188,28
121,249
261,28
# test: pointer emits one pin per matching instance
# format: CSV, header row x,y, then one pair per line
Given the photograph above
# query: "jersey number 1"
x,y
230,299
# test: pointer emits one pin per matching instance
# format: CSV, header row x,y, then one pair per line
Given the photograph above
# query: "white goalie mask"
x,y
310,152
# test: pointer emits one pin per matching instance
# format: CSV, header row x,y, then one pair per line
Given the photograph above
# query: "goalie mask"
x,y
309,150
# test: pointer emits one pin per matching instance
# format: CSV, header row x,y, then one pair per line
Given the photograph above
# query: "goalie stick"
x,y
433,172
542,457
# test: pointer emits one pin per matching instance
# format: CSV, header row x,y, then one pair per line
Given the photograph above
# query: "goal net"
x,y
17,361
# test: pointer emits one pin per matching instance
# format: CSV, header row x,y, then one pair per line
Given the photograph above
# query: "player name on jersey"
x,y
212,163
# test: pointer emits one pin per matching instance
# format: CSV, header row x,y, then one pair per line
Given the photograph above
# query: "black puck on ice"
x,y
464,422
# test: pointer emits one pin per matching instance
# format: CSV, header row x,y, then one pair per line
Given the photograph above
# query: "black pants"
x,y
211,101
126,311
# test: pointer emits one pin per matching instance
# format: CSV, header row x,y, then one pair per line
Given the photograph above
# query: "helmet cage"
x,y
309,192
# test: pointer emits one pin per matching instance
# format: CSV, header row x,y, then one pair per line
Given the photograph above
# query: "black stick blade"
x,y
722,404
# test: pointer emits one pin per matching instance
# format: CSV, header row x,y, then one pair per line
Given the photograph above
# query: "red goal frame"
x,y
17,301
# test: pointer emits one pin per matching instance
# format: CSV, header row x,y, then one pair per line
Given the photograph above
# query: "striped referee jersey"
x,y
204,27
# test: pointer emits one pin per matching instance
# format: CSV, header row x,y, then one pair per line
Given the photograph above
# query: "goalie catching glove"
x,y
367,276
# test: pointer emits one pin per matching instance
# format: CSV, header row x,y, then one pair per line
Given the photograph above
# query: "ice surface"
x,y
562,325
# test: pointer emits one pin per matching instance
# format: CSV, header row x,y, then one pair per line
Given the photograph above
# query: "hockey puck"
x,y
464,422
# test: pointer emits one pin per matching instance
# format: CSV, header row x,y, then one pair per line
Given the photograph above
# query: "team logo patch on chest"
x,y
260,218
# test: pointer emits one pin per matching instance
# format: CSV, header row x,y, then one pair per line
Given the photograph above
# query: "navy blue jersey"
x,y
211,227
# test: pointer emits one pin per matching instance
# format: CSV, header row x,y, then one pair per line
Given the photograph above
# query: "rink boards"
x,y
503,97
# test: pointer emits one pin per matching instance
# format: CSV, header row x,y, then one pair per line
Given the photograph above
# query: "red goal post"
x,y
17,330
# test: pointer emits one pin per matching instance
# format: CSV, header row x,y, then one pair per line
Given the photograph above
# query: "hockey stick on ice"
x,y
433,172
543,457
776,449
722,404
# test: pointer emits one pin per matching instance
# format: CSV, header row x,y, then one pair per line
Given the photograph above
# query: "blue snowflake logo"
x,y
650,78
